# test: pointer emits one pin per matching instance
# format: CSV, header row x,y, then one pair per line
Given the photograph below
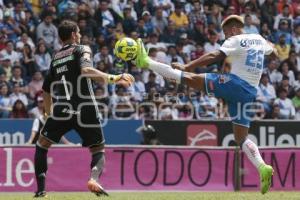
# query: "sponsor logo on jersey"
x,y
248,42
63,60
64,53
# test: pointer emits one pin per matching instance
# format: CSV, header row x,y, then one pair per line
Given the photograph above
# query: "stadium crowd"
x,y
174,31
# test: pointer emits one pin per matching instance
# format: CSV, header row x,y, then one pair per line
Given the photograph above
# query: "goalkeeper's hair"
x,y
66,28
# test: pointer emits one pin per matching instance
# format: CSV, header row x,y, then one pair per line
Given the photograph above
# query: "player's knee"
x,y
194,80
43,142
96,148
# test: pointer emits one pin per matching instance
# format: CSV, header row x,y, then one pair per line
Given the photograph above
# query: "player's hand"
x,y
179,66
126,80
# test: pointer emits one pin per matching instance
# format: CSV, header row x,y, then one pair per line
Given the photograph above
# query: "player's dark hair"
x,y
65,29
234,23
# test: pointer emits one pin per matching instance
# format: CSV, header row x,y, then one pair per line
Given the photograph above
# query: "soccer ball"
x,y
126,49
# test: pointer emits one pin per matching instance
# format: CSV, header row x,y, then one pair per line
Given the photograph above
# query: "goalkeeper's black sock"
x,y
40,166
97,164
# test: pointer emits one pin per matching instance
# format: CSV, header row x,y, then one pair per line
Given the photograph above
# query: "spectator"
x,y
287,110
10,53
42,58
296,103
19,110
197,15
274,75
285,15
293,61
179,18
29,24
173,56
105,16
268,11
212,44
18,14
35,84
28,61
249,27
153,43
152,83
48,32
5,106
253,17
171,35
198,34
188,46
166,5
284,4
285,69
6,67
10,27
266,93
285,85
129,24
215,17
159,21
266,32
139,88
17,95
105,57
283,48
296,39
296,84
275,112
148,25
283,30
24,40
17,78
84,28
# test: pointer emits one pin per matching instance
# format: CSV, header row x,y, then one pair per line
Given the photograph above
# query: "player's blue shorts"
x,y
238,93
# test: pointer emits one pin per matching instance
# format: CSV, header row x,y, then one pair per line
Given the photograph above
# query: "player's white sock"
x,y
165,70
252,152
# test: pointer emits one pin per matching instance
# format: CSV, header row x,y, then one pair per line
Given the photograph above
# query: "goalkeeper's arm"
x,y
122,79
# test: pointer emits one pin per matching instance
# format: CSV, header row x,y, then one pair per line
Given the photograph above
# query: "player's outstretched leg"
x,y
97,165
143,61
253,154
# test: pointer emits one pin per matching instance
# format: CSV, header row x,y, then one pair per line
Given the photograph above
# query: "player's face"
x,y
77,36
227,32
230,31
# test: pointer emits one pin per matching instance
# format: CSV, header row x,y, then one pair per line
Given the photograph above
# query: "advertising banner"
x,y
17,132
219,133
141,168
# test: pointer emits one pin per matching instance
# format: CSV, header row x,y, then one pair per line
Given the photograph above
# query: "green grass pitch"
x,y
158,196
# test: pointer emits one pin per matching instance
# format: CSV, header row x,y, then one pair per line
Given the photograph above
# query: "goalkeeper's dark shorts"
x,y
85,123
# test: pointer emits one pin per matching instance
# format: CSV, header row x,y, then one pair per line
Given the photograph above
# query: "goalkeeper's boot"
x,y
40,194
266,172
142,58
96,188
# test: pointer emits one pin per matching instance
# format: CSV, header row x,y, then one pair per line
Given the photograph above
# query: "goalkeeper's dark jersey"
x,y
64,80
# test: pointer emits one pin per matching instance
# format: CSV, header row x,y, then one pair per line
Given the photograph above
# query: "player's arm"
x,y
274,52
87,70
207,59
229,48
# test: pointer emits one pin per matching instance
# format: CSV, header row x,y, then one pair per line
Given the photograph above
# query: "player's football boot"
x,y
96,188
142,58
266,172
41,194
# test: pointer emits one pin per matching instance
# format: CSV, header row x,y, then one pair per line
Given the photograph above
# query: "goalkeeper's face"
x,y
77,36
